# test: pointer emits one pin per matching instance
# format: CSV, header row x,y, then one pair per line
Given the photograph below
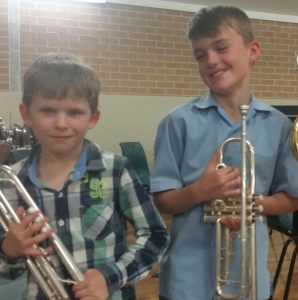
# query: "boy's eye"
x,y
222,49
222,46
75,113
199,57
47,111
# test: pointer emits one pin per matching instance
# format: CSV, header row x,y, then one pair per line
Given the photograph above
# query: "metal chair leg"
x,y
290,274
279,265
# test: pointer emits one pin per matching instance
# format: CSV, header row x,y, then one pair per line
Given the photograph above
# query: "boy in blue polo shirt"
x,y
184,176
86,194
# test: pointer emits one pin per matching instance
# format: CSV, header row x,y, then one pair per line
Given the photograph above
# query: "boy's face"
x,y
60,126
224,61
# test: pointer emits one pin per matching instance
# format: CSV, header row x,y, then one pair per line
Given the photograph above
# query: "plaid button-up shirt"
x,y
90,213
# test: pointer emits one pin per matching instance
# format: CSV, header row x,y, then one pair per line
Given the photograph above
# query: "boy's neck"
x,y
231,103
54,171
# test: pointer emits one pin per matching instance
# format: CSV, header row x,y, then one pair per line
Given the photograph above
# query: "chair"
x,y
286,224
135,153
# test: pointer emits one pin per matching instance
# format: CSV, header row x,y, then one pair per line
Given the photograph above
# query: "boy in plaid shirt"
x,y
86,194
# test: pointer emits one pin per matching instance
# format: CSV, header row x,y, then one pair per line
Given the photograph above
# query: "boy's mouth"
x,y
216,73
58,137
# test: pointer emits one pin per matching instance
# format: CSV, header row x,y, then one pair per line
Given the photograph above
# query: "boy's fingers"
x,y
214,160
20,212
37,226
34,241
28,219
231,222
49,250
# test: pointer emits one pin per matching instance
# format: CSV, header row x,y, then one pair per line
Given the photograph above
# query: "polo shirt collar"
x,y
207,101
90,159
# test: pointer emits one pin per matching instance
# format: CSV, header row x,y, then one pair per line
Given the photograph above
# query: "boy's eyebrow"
x,y
213,43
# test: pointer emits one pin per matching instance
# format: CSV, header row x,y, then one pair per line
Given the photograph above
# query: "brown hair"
x,y
207,22
59,76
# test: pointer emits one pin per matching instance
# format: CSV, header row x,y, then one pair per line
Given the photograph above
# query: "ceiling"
x,y
284,7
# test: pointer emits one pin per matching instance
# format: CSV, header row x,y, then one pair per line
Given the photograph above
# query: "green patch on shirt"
x,y
98,188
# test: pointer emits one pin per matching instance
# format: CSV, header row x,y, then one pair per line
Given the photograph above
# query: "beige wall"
x,y
131,118
123,118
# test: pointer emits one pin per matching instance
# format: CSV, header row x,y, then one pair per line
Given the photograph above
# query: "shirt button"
x,y
61,223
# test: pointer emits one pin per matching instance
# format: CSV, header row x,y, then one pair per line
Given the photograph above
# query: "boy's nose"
x,y
61,121
212,58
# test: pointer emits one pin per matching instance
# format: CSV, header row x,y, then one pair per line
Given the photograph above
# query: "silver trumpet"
x,y
246,210
40,267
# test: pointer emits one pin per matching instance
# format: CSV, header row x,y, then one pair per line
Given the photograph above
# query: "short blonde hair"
x,y
58,76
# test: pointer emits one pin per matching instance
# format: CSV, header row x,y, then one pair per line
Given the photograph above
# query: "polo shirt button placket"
x,y
61,221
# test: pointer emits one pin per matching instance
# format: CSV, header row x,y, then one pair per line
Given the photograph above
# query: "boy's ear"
x,y
25,114
94,119
255,51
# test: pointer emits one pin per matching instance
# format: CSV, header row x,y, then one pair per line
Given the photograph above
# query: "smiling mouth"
x,y
60,137
217,73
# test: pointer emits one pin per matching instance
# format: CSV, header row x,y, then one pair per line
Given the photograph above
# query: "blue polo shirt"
x,y
186,140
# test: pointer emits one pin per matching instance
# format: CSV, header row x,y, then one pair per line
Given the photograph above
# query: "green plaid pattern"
x,y
90,215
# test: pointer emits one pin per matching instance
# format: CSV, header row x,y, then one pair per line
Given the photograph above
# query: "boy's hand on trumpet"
x,y
94,286
220,183
223,182
233,224
22,239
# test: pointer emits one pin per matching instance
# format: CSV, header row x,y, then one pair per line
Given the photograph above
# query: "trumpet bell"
x,y
294,138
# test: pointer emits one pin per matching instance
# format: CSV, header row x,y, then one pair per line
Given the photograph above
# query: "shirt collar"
x,y
90,159
207,101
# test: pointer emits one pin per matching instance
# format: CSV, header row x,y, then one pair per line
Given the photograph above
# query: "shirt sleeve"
x,y
10,268
285,174
151,235
168,152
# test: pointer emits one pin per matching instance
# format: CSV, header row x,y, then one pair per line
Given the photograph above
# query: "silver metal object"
x,y
245,209
40,267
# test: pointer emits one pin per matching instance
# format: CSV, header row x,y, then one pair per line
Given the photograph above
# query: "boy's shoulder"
x,y
186,108
273,110
94,150
111,157
96,155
